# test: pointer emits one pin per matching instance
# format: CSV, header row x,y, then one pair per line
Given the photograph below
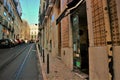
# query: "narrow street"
x,y
59,39
22,66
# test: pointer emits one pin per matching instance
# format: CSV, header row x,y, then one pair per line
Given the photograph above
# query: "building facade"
x,y
34,32
10,18
25,33
84,34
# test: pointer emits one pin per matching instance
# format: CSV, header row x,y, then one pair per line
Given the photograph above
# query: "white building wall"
x,y
34,32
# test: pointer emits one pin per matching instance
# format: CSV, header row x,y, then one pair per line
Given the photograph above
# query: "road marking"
x,y
22,65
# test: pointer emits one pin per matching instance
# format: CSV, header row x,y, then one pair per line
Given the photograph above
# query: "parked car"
x,y
5,43
13,42
16,41
31,41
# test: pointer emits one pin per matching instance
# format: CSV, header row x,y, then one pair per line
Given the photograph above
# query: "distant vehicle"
x,y
31,41
19,41
13,43
5,43
22,41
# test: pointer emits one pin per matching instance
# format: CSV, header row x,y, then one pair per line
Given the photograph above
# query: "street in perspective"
x,y
59,39
20,63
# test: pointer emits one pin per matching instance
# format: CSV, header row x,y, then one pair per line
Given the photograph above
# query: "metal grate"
x,y
114,22
98,23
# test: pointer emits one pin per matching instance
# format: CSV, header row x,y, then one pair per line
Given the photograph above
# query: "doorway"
x,y
80,39
59,28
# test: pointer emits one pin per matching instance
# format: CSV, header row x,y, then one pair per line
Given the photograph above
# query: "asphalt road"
x,y
24,66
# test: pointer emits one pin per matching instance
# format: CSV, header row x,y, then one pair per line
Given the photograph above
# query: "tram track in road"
x,y
19,70
11,58
23,67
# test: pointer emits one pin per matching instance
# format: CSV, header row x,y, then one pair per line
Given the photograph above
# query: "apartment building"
x,y
34,32
10,18
84,34
25,33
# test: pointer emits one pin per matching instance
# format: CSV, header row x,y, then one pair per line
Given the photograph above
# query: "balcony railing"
x,y
49,5
46,11
42,17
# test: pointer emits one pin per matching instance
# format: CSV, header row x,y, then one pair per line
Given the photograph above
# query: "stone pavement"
x,y
58,70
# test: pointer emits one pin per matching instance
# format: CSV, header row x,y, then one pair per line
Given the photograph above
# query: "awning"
x,y
72,3
70,6
62,15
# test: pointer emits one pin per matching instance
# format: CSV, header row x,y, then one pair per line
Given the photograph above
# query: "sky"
x,y
30,10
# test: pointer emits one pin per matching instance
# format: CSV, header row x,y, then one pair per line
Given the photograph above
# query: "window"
x,y
9,18
4,14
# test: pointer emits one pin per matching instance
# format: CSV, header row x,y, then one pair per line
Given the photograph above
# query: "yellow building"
x,y
25,33
34,32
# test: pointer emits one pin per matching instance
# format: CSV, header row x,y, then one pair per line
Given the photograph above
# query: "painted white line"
x,y
22,65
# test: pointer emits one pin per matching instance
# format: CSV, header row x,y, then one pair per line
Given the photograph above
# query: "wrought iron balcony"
x,y
42,17
46,11
49,6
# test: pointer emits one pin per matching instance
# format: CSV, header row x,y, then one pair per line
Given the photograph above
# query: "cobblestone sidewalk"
x,y
58,70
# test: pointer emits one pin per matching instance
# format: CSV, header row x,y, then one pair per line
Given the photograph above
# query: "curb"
x,y
40,62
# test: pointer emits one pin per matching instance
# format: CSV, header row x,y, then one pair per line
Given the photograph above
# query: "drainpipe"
x,y
109,41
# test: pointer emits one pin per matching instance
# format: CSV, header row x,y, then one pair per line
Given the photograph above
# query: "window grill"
x,y
98,23
114,22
